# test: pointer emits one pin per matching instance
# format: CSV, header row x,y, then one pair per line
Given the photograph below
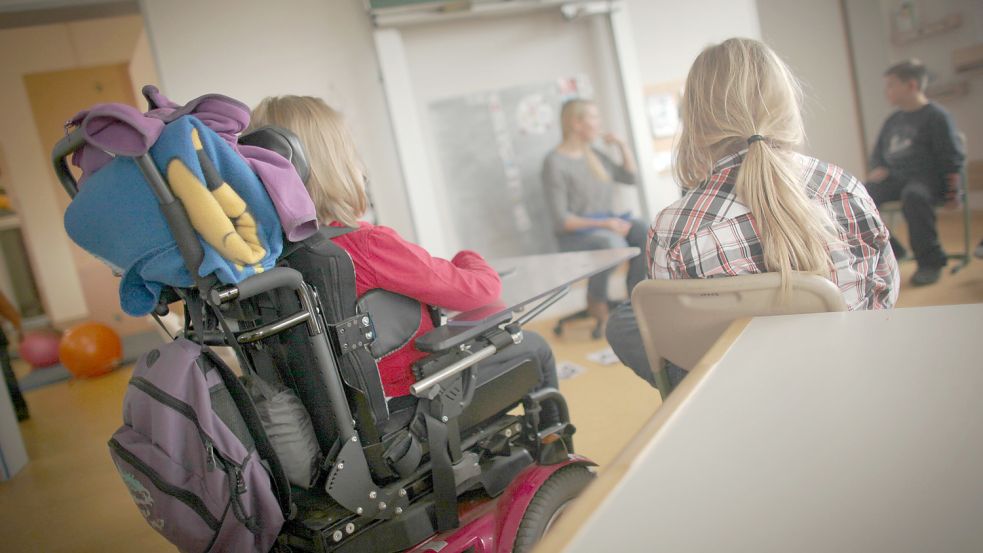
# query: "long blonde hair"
x,y
571,112
336,183
741,89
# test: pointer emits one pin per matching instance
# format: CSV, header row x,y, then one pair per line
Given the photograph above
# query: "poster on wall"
x,y
662,107
490,148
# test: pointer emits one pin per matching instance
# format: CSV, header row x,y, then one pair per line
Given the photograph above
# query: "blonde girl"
x,y
382,258
753,204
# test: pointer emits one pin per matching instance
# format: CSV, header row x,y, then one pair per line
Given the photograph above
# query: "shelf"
x,y
968,59
948,89
943,25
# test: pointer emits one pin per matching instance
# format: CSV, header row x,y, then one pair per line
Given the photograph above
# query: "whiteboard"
x,y
490,148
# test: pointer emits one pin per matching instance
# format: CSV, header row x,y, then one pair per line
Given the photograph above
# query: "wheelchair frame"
x,y
395,510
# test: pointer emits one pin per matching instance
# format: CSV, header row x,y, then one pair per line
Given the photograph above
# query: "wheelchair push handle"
x,y
267,281
65,147
173,210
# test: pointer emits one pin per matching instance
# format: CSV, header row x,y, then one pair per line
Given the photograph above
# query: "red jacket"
x,y
384,260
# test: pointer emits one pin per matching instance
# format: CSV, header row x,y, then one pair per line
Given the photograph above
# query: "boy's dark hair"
x,y
909,70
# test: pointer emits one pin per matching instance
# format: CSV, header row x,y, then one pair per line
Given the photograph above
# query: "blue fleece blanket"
x,y
116,217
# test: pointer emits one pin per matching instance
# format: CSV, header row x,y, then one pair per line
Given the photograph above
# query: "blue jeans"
x,y
626,341
603,239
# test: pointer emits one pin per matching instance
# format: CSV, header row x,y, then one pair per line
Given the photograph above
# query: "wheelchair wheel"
x,y
551,499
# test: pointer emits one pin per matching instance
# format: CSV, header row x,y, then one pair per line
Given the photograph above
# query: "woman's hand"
x,y
618,225
612,139
627,159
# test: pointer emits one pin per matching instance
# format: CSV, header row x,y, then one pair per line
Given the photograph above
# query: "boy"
x,y
917,160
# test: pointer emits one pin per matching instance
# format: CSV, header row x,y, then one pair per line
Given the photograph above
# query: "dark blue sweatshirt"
x,y
921,144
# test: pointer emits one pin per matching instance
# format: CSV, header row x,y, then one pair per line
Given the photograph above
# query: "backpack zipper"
x,y
214,457
191,500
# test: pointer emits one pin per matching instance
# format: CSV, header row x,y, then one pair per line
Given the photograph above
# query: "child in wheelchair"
x,y
414,438
383,259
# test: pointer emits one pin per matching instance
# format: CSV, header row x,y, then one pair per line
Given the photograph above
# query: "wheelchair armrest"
x,y
451,336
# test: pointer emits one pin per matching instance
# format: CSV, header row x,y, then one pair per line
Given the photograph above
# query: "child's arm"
x,y
946,145
9,312
950,152
464,283
878,166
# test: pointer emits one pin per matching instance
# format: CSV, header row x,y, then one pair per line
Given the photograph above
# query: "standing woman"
x,y
579,182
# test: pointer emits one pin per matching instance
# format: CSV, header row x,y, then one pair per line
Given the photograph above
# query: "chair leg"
x,y
558,329
662,379
967,238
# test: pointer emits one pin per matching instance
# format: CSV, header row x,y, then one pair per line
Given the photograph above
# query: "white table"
x,y
833,432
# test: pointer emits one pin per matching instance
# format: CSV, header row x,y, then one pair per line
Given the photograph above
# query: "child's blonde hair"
x,y
336,183
571,112
737,90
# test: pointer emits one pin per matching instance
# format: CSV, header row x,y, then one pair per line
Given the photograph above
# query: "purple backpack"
x,y
191,452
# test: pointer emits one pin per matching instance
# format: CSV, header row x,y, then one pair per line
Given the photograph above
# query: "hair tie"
x,y
754,138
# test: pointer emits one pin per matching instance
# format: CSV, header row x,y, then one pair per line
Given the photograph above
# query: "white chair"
x,y
680,320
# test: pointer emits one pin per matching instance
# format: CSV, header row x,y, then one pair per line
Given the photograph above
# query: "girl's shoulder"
x,y
369,235
828,179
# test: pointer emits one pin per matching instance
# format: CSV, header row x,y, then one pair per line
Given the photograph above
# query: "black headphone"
x,y
283,142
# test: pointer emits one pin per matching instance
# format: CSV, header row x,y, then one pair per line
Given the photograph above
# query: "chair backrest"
x,y
681,319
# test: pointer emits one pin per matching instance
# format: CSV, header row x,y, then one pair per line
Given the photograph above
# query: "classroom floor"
x,y
69,497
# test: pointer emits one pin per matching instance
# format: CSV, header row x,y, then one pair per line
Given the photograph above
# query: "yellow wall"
x,y
29,176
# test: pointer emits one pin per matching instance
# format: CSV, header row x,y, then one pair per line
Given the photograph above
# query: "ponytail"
x,y
794,233
734,91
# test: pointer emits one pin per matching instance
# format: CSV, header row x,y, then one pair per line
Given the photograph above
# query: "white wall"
x,y
143,68
871,52
817,54
31,179
669,34
249,50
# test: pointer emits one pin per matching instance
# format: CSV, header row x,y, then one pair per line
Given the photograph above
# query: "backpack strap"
x,y
244,403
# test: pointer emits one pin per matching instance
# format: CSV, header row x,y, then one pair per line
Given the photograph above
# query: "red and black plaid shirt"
x,y
710,233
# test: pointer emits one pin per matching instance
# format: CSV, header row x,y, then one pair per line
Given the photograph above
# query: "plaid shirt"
x,y
710,233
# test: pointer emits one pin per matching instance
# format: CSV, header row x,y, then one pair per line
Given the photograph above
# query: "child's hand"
x,y
877,174
953,191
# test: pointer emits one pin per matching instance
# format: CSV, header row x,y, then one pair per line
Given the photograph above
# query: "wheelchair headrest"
x,y
283,142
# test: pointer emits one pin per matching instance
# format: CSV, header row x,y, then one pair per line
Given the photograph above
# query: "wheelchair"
x,y
454,467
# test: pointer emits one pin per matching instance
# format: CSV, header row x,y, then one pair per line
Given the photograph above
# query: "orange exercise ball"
x,y
90,349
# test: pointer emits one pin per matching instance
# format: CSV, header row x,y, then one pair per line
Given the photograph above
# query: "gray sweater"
x,y
572,189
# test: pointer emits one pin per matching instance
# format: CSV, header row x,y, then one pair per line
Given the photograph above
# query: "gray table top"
x,y
527,279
